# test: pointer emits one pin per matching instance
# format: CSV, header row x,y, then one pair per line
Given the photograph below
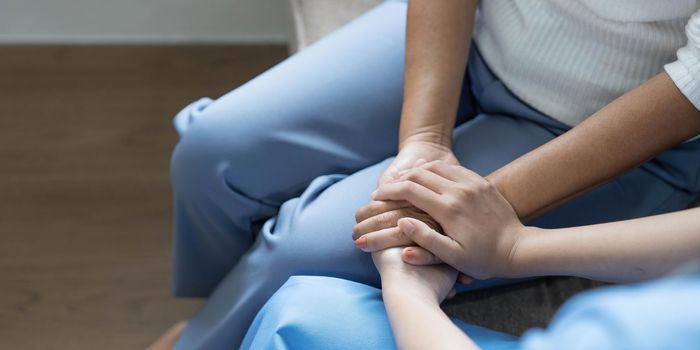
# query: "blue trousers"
x,y
314,312
267,178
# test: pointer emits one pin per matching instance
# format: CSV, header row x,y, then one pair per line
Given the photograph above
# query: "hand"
x,y
481,228
380,217
433,282
168,340
411,152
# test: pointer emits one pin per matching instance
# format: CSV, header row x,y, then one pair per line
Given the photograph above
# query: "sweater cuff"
x,y
681,72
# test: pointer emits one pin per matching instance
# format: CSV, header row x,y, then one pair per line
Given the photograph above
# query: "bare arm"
x,y
421,324
438,34
412,296
623,251
629,131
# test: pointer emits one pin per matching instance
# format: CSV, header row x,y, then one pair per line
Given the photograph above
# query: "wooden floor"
x,y
85,139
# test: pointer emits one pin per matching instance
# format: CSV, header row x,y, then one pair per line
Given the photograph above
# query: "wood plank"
x,y
85,140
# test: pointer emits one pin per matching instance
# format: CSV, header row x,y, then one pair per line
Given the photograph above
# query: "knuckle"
x,y
490,186
357,232
453,204
466,191
359,214
432,165
385,219
413,175
404,186
399,237
486,187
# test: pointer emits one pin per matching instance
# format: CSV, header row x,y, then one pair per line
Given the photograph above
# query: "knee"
x,y
212,139
190,157
313,312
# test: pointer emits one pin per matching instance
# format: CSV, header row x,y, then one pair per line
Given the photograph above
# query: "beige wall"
x,y
134,21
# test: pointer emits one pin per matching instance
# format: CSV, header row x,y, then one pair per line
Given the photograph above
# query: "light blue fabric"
x,y
267,178
663,314
312,312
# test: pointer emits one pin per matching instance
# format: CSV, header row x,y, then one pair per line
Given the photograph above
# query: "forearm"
x,y
621,251
629,131
438,34
419,323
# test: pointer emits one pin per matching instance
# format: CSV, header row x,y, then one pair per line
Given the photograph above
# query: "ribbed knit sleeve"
x,y
685,71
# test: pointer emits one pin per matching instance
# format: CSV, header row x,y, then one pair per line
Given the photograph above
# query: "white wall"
x,y
144,21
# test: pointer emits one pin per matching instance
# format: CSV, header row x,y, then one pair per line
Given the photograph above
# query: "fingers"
x,y
427,179
440,245
382,239
444,169
374,208
378,222
168,340
419,162
418,195
456,173
419,256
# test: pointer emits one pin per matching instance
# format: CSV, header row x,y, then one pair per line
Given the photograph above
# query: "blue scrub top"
x,y
663,314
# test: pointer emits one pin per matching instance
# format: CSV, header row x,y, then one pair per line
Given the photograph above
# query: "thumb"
x,y
418,231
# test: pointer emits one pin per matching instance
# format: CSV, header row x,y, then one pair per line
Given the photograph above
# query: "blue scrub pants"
x,y
267,178
314,312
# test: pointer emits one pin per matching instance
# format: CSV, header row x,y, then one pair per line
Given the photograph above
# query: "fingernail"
x,y
374,193
361,242
408,252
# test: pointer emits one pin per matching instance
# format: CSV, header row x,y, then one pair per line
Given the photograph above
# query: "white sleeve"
x,y
685,71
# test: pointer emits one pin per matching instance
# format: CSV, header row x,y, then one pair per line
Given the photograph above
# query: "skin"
x,y
169,338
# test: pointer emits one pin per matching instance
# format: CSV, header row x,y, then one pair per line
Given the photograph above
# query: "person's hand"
x,y
168,340
432,282
481,228
411,152
380,217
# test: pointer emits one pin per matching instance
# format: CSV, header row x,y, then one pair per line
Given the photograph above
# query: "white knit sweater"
x,y
569,58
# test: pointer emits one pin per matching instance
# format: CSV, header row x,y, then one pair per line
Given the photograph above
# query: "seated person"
x,y
554,101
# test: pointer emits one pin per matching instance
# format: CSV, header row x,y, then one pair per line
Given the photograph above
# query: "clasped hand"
x,y
472,227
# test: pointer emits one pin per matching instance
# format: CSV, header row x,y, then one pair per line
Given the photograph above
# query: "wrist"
x,y
398,284
416,293
434,138
518,262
